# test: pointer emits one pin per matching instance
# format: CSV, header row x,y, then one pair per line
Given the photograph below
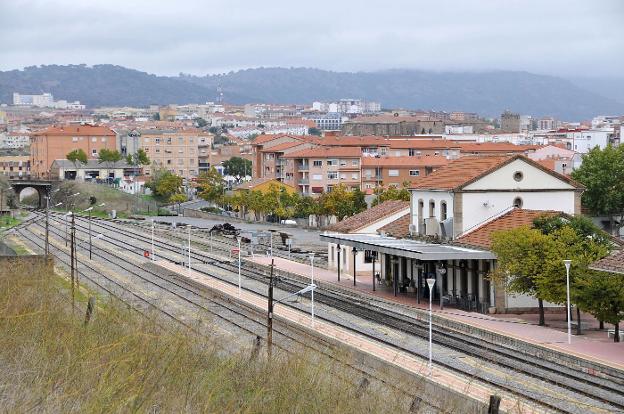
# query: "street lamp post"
x,y
312,284
354,251
567,264
441,272
430,283
90,240
238,239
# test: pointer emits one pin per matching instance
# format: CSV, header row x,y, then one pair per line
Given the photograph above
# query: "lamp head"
x,y
430,282
567,264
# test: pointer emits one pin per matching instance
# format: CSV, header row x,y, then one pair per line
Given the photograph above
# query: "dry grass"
x,y
122,362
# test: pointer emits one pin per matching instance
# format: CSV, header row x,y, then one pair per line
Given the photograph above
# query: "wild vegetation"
x,y
121,362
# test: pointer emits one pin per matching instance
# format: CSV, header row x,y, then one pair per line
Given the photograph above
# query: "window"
x,y
343,163
369,255
94,152
393,173
332,175
157,150
332,162
181,140
518,176
317,177
103,139
93,139
443,211
146,140
354,176
180,151
180,162
431,208
414,173
517,203
74,139
354,163
157,141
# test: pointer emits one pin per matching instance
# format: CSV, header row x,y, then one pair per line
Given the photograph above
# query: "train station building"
x,y
444,231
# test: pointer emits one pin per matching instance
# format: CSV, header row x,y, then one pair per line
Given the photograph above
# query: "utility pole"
x,y
47,230
270,314
90,240
73,269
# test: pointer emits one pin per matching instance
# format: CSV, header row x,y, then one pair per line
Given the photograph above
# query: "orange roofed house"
x,y
54,143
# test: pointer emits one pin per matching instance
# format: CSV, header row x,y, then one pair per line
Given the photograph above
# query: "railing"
x,y
303,181
303,167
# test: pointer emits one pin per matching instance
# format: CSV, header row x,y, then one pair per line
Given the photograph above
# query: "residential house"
x,y
54,143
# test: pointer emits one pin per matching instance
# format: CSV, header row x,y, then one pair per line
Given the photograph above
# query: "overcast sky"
x,y
558,37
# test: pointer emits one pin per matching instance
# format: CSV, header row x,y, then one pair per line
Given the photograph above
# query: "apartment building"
x,y
54,143
318,170
181,151
15,166
268,150
394,171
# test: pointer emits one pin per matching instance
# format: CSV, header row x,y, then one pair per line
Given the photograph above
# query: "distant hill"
x,y
487,93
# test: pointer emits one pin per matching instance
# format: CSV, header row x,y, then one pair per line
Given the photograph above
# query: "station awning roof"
x,y
413,249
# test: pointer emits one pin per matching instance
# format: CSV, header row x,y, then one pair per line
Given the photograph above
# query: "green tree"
x,y
164,184
237,166
77,156
391,193
156,117
521,254
109,157
200,122
602,295
210,186
306,206
139,158
602,172
178,199
339,202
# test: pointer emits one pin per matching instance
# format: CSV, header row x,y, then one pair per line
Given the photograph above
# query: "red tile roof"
x,y
463,171
482,236
283,146
370,216
77,130
496,147
326,152
613,263
398,228
264,138
459,172
422,161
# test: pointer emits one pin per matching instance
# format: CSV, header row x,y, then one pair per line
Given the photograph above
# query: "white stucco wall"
x,y
474,211
533,178
426,197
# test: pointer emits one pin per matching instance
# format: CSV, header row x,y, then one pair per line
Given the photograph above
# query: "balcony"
x,y
303,181
303,167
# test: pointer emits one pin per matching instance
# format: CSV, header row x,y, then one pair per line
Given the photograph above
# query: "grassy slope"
x,y
122,362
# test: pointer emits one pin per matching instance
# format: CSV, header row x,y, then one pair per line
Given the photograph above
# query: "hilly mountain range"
x,y
487,93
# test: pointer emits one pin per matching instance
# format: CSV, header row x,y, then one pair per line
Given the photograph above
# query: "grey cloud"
x,y
556,37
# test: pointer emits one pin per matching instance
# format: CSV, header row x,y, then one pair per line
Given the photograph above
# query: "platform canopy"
x,y
413,249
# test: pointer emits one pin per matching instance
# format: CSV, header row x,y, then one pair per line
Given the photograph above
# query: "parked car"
x,y
289,222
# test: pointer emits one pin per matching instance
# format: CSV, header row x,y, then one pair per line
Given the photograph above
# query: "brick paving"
x,y
592,345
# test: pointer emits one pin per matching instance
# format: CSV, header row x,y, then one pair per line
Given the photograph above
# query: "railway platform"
x,y
594,346
435,376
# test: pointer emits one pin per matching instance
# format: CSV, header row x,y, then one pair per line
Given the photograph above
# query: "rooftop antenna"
x,y
219,94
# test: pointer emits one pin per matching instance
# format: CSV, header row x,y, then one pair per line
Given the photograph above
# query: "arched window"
x,y
431,208
517,203
421,207
443,212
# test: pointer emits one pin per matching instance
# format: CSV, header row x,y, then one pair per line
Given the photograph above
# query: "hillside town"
x,y
277,213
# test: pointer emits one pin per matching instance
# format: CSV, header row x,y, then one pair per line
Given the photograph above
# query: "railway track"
x,y
189,292
605,392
